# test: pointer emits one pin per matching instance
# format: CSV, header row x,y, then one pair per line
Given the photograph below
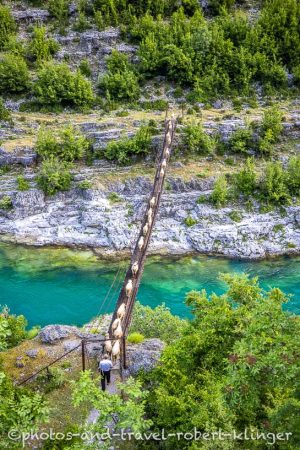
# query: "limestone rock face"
x,y
52,333
143,356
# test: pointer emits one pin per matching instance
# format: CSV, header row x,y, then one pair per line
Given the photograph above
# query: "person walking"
x,y
105,366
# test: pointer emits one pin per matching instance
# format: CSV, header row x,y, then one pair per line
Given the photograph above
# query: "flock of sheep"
x,y
113,347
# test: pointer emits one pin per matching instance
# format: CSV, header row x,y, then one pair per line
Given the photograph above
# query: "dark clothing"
x,y
105,375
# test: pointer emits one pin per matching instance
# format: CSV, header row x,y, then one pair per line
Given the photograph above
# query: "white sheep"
x,y
150,213
164,163
121,311
115,350
162,172
149,221
135,268
107,345
115,324
168,139
152,202
167,152
145,229
128,288
118,333
141,243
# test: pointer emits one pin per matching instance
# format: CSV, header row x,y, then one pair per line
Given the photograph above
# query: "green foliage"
x,y
85,184
41,48
51,379
135,338
127,411
20,409
125,148
59,9
6,203
196,140
85,68
219,195
69,145
245,181
113,197
270,130
54,176
33,332
241,140
293,175
189,221
273,186
7,25
235,216
121,82
5,114
14,74
57,85
12,329
22,183
235,367
156,323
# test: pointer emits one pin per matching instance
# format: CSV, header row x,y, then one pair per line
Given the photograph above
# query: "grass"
x,y
135,338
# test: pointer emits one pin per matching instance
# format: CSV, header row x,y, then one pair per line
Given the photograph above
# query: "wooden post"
x,y
124,352
83,354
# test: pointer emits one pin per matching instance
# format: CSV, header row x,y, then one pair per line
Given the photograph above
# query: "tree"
x,y
196,140
273,185
240,140
54,176
270,130
59,9
7,25
293,175
40,47
57,85
219,195
12,329
235,367
14,74
245,181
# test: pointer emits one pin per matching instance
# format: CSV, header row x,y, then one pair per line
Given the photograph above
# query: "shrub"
x,y
196,140
270,130
120,85
156,322
57,85
240,140
189,221
54,176
40,47
293,175
124,148
85,184
12,329
135,338
59,9
33,332
6,203
85,68
50,380
22,183
296,74
245,181
273,186
113,197
235,216
219,195
7,25
5,114
14,74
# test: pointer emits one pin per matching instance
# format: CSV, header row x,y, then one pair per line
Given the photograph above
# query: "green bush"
x,y
57,85
273,185
85,184
14,75
22,183
59,9
113,197
12,329
123,149
6,203
245,181
54,176
296,74
235,216
85,68
5,114
7,25
50,380
189,221
135,338
270,130
33,332
40,47
156,323
219,195
293,175
241,140
196,140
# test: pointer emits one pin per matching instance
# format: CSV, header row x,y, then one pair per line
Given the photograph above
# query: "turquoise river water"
x,y
65,286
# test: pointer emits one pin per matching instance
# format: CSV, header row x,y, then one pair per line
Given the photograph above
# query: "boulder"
x,y
32,353
52,333
143,356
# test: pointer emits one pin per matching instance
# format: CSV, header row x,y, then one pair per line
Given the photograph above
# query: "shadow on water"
x,y
50,285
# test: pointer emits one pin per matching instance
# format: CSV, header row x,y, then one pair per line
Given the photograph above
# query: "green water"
x,y
64,286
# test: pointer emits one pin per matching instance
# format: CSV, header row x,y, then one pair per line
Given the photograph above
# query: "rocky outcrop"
x,y
87,218
53,333
143,356
25,156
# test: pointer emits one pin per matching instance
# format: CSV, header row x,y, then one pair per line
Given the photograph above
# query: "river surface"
x,y
70,287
